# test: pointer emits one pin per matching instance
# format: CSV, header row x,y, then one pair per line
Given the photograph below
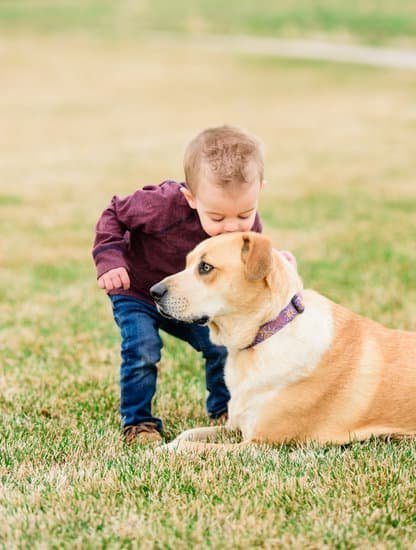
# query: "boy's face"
x,y
224,209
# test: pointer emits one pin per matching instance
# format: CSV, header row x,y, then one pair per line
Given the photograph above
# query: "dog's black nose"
x,y
158,291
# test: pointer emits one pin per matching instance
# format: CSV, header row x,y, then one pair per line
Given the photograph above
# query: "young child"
x,y
142,238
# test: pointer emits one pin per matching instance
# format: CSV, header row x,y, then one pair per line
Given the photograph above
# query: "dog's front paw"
x,y
169,447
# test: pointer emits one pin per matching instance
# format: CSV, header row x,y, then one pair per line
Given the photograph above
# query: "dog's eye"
x,y
204,268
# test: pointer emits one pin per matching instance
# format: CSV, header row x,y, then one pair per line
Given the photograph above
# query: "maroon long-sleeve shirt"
x,y
149,233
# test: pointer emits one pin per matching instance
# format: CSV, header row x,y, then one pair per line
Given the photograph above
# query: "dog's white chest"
x,y
254,377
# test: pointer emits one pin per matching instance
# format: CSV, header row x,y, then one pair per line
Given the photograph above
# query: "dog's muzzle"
x,y
201,320
174,308
157,291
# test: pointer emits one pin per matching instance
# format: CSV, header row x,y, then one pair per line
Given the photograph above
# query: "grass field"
x,y
85,117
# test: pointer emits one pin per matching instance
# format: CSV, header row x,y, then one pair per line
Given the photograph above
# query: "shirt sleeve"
x,y
123,215
257,225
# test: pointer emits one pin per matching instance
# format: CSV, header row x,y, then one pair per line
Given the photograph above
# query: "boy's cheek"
x,y
209,228
250,222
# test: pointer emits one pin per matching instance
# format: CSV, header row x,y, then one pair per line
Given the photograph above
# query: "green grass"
x,y
68,480
86,119
290,502
370,21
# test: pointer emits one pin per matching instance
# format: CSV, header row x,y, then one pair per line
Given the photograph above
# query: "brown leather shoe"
x,y
222,419
144,433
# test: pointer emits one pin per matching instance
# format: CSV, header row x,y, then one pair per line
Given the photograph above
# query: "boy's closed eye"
x,y
218,218
222,219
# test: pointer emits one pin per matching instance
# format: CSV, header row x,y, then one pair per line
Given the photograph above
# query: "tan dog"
x,y
328,375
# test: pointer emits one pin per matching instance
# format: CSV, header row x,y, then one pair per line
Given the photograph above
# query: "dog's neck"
x,y
234,330
231,331
286,315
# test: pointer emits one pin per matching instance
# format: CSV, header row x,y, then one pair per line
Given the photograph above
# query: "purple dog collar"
x,y
287,315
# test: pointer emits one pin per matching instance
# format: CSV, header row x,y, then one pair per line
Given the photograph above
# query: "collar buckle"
x,y
297,303
294,308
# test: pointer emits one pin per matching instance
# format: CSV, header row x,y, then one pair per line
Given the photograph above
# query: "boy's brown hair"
x,y
229,153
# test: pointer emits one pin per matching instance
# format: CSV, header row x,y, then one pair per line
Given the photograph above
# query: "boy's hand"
x,y
115,278
290,258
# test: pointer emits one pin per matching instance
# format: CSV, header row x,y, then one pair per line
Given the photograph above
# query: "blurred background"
x,y
101,97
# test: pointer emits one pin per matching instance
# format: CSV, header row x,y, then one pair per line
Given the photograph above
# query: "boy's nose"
x,y
158,291
231,226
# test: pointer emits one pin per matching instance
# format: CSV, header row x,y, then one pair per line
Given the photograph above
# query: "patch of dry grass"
x,y
84,119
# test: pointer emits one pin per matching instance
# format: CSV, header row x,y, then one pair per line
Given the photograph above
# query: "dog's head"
x,y
230,275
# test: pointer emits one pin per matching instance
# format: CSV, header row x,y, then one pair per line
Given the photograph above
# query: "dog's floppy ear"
x,y
256,255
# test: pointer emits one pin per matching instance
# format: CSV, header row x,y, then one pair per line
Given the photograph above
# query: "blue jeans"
x,y
139,324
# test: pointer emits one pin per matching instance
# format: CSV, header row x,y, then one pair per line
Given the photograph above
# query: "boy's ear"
x,y
188,196
256,254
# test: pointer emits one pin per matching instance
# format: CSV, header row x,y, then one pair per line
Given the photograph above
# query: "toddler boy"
x,y
142,238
